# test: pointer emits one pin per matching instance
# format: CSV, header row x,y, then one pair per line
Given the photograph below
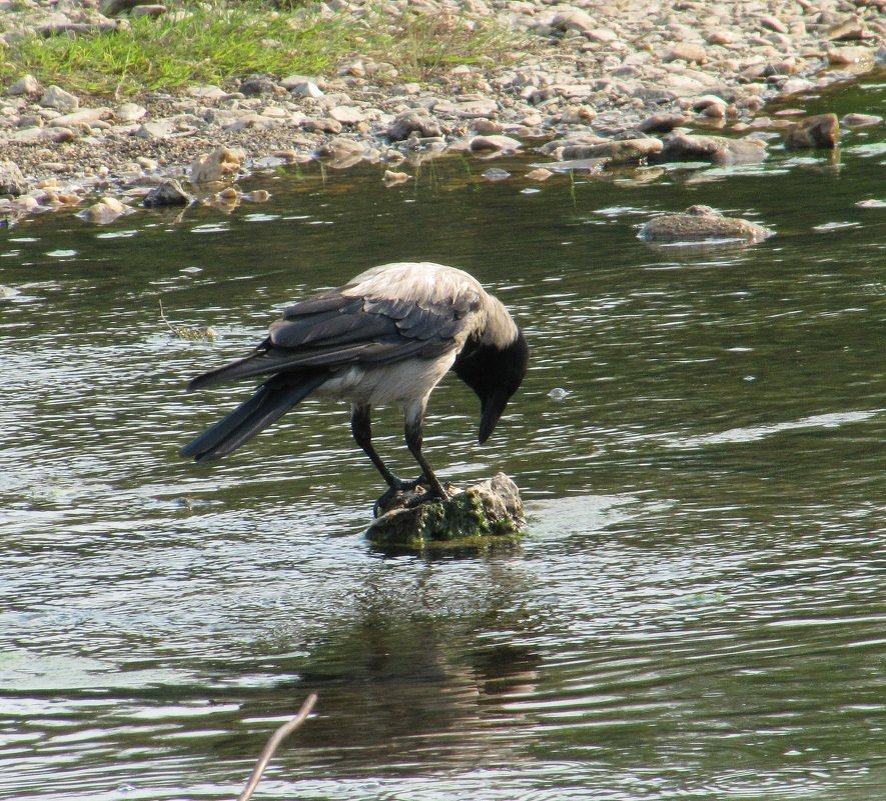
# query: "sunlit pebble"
x,y
539,174
392,177
833,226
496,174
558,393
259,196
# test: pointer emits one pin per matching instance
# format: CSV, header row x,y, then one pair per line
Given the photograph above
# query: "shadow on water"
x,y
697,610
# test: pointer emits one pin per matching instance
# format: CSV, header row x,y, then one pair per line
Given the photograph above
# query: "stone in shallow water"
x,y
679,146
487,512
820,130
169,193
699,224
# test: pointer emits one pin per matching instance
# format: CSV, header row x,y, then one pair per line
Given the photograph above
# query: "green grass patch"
x,y
218,43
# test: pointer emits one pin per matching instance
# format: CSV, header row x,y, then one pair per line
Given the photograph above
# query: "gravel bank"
x,y
600,82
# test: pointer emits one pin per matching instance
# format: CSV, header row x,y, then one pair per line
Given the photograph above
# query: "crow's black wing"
x,y
333,330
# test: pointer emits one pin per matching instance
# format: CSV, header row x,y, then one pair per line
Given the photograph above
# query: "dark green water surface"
x,y
698,609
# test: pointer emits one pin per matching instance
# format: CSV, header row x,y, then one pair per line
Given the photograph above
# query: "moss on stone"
x,y
484,513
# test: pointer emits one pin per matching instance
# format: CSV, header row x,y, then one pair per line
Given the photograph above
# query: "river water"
x,y
697,610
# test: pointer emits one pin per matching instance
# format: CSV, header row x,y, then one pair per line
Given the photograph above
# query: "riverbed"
x,y
696,610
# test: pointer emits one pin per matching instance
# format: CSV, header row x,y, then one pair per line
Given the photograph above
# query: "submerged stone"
x,y
485,513
699,224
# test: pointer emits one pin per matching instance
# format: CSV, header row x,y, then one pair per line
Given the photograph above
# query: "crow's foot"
x,y
401,487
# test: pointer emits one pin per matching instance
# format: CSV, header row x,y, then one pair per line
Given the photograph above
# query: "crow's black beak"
x,y
490,410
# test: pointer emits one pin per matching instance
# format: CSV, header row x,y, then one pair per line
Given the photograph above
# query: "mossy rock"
x,y
485,513
698,224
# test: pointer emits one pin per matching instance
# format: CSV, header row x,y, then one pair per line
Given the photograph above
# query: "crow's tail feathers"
x,y
254,364
270,402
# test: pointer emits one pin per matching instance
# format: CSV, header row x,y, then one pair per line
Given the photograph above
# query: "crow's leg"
x,y
361,428
414,442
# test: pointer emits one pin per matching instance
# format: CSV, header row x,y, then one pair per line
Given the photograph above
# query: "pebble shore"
x,y
624,82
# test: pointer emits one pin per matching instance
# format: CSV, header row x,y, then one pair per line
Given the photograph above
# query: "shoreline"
x,y
600,83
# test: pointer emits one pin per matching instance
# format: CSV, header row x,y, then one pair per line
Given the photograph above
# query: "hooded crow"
x,y
386,337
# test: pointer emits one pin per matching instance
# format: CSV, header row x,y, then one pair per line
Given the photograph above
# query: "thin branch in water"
x,y
276,738
185,331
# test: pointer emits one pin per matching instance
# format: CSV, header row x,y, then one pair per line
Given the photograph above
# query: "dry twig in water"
x,y
186,331
276,738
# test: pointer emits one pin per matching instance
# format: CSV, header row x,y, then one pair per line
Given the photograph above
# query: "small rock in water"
x,y
487,512
710,106
341,148
662,123
216,166
619,151
392,178
558,393
856,120
105,211
849,55
539,174
699,224
820,130
496,174
169,193
494,142
716,149
414,120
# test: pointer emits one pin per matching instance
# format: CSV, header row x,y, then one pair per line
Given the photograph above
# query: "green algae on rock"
x,y
487,512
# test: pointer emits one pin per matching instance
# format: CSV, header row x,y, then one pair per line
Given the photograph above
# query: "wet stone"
x,y
820,130
169,193
716,149
414,120
221,163
485,513
700,223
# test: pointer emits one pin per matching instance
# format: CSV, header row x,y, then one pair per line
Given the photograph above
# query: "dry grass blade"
x,y
276,738
185,331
